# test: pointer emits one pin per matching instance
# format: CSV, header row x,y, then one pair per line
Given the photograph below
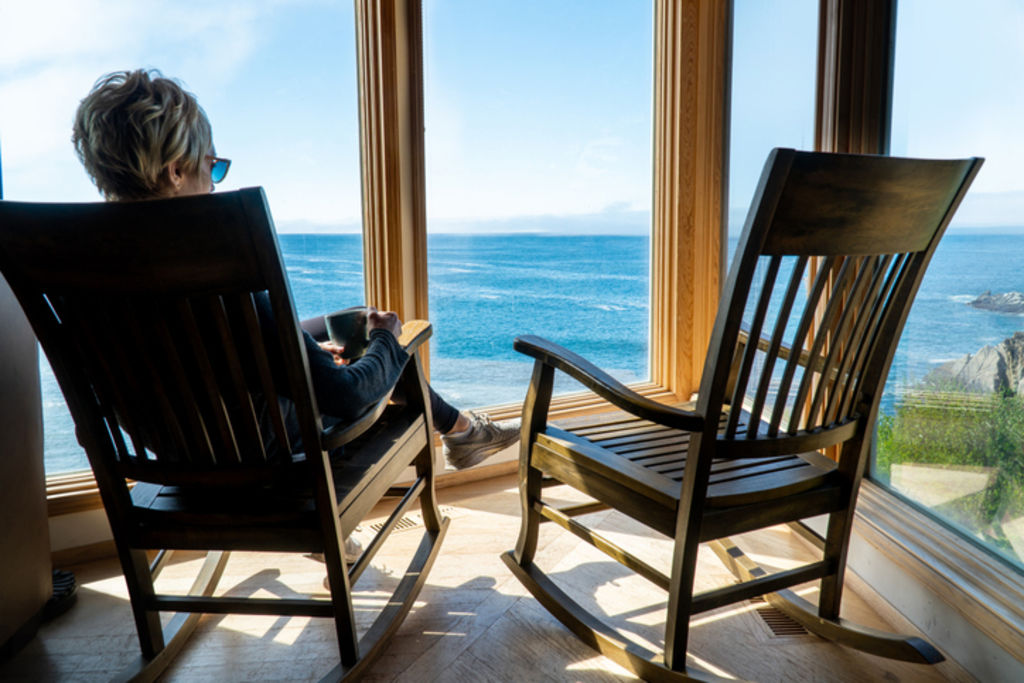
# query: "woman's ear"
x,y
175,178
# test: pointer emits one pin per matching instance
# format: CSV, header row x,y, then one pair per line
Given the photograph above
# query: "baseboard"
x,y
449,479
83,553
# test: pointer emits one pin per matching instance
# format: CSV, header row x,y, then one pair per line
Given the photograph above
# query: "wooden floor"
x,y
474,621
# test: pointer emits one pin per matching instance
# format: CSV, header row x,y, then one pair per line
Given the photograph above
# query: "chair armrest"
x,y
606,386
341,434
414,333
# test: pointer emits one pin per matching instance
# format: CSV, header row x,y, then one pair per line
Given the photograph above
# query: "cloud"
x,y
52,51
599,156
218,35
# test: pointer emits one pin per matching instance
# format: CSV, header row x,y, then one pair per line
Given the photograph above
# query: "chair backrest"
x,y
149,313
831,256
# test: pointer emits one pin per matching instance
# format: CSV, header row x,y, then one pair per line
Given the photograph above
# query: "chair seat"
x,y
615,456
379,456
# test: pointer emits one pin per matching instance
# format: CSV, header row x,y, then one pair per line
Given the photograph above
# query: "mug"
x,y
348,328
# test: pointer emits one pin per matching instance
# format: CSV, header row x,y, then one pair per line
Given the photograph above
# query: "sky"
x,y
538,112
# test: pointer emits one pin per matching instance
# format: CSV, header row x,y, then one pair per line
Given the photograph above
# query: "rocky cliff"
x,y
992,368
1009,302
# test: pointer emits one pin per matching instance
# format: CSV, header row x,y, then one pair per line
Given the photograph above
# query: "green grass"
x,y
967,432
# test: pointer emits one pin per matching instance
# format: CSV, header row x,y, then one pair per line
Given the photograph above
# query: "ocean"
x,y
589,293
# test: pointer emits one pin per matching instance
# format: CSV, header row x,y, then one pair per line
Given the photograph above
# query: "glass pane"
x,y
277,81
774,59
951,437
538,118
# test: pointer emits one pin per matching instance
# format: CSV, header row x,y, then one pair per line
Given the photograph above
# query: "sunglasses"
x,y
219,168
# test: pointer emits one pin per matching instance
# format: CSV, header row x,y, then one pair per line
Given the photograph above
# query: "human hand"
x,y
335,350
383,320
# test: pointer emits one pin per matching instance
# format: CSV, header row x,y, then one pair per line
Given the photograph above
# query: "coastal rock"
x,y
1009,302
992,368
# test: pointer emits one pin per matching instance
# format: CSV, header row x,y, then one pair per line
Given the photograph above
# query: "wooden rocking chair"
x,y
149,313
832,254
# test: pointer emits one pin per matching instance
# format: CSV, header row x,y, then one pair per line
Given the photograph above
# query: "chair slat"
x,y
89,353
246,423
674,439
839,340
185,402
760,312
177,445
866,307
872,337
222,436
137,397
833,306
778,335
247,308
797,343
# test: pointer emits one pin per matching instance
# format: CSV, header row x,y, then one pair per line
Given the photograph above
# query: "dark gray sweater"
x,y
343,392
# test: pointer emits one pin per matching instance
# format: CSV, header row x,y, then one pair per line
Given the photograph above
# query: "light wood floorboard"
x,y
473,621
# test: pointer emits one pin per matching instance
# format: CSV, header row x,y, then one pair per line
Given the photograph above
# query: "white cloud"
x,y
600,156
214,35
52,51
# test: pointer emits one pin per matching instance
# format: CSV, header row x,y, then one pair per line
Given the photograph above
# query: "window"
x,y
278,84
538,154
773,79
951,438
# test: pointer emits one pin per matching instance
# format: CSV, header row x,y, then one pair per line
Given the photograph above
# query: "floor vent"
x,y
411,521
777,621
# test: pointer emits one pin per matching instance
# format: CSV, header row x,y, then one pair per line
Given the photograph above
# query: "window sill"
x,y
980,588
70,493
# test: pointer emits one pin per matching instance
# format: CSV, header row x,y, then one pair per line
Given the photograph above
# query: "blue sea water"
x,y
591,294
941,325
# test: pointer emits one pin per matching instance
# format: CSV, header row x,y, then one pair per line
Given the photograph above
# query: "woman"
x,y
142,136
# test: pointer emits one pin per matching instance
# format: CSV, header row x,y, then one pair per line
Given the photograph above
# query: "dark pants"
x,y
445,415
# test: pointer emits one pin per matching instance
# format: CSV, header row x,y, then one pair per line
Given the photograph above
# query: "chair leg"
x,y
836,542
535,409
413,385
341,597
680,601
401,601
426,470
529,529
180,628
135,566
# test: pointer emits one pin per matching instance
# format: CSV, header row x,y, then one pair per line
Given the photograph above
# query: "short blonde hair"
x,y
131,126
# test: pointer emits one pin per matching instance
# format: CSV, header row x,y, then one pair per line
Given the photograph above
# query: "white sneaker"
x,y
353,549
480,441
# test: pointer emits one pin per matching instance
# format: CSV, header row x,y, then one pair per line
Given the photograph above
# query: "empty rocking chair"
x,y
832,254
